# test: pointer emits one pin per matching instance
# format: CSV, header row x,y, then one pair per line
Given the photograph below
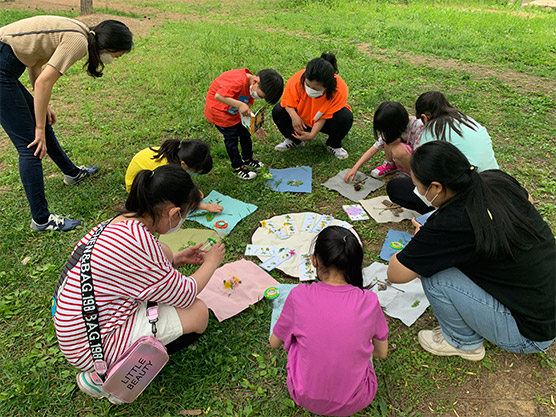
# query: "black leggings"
x,y
336,128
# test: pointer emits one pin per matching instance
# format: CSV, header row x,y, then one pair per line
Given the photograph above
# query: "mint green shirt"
x,y
474,144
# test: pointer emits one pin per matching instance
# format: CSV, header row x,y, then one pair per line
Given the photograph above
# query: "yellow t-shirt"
x,y
142,160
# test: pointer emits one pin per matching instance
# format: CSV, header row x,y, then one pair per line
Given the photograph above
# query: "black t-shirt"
x,y
525,285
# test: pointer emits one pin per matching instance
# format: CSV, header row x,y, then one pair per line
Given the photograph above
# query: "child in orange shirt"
x,y
231,94
315,100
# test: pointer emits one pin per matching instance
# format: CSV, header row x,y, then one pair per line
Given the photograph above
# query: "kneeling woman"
x,y
486,258
130,268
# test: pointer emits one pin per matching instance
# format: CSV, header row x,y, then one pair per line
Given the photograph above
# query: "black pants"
x,y
400,191
233,135
336,128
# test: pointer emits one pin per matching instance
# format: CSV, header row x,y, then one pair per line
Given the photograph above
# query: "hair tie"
x,y
489,214
345,241
152,173
472,168
92,32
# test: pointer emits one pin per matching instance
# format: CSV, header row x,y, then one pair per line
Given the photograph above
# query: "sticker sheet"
x,y
234,287
277,230
276,260
361,186
291,180
355,212
383,213
223,222
301,243
309,222
395,241
307,271
406,302
322,222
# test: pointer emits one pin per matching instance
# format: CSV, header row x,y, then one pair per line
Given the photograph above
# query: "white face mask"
x,y
106,59
177,227
253,92
423,198
313,93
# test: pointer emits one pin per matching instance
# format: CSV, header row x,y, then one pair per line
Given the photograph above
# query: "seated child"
x,y
231,94
331,329
192,155
399,135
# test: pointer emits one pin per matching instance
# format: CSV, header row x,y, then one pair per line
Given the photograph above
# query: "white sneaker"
x,y
91,384
244,173
433,341
339,153
288,144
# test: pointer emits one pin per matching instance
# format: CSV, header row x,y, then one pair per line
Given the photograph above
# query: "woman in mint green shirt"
x,y
445,123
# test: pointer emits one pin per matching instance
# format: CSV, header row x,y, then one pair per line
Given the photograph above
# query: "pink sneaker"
x,y
383,170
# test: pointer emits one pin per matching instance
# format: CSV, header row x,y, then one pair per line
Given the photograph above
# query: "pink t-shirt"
x,y
327,331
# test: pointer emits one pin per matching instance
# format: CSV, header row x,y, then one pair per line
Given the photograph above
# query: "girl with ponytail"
x,y
331,329
129,268
486,258
193,156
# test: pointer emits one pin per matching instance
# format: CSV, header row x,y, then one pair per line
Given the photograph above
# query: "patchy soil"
x,y
517,385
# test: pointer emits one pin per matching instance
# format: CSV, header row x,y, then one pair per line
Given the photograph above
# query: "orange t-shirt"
x,y
233,83
312,109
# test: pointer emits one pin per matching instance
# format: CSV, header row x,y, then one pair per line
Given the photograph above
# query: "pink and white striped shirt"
x,y
128,266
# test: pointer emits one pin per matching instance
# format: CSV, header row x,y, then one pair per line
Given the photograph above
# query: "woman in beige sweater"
x,y
47,46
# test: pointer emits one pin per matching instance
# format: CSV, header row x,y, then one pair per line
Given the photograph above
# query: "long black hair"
x,y
441,114
490,198
322,70
195,153
166,184
390,119
337,247
110,36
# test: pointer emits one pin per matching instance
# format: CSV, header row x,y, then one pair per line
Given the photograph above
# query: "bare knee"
x,y
194,319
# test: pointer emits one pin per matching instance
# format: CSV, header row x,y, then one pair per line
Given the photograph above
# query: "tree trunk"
x,y
86,7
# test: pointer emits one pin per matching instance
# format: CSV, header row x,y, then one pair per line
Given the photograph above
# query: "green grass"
x,y
157,91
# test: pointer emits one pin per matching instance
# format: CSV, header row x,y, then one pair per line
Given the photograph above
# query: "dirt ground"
x,y
518,386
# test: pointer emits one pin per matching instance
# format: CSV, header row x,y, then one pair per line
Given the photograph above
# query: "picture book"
x,y
253,122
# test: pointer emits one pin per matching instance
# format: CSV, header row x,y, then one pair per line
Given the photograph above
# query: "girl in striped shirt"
x,y
129,268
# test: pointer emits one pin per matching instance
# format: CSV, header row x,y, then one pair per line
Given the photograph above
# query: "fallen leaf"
x,y
190,412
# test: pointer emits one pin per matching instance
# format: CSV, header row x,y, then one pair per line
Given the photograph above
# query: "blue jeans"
x,y
468,314
17,117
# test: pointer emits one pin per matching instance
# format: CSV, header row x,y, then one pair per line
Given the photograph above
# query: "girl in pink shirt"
x,y
331,329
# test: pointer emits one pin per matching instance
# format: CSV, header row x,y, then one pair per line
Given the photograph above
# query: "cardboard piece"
x,y
406,302
226,302
234,211
355,212
183,238
337,183
378,211
291,180
396,237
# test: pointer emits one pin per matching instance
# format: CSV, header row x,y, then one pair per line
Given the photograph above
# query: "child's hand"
x,y
214,208
416,224
191,255
261,134
215,255
244,109
350,175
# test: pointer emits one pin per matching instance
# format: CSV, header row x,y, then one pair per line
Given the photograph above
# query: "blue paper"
x,y
278,303
424,217
394,236
299,178
234,211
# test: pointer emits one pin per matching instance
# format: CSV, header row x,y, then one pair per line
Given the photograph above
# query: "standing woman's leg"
x,y
338,127
54,150
16,117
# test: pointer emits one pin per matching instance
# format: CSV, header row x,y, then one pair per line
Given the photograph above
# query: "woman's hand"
x,y
298,124
50,116
215,255
191,255
416,224
303,136
350,175
39,142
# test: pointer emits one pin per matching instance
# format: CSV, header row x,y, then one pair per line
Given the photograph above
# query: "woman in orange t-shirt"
x,y
315,100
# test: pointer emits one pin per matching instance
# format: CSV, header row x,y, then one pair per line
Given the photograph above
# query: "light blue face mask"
x,y
191,173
